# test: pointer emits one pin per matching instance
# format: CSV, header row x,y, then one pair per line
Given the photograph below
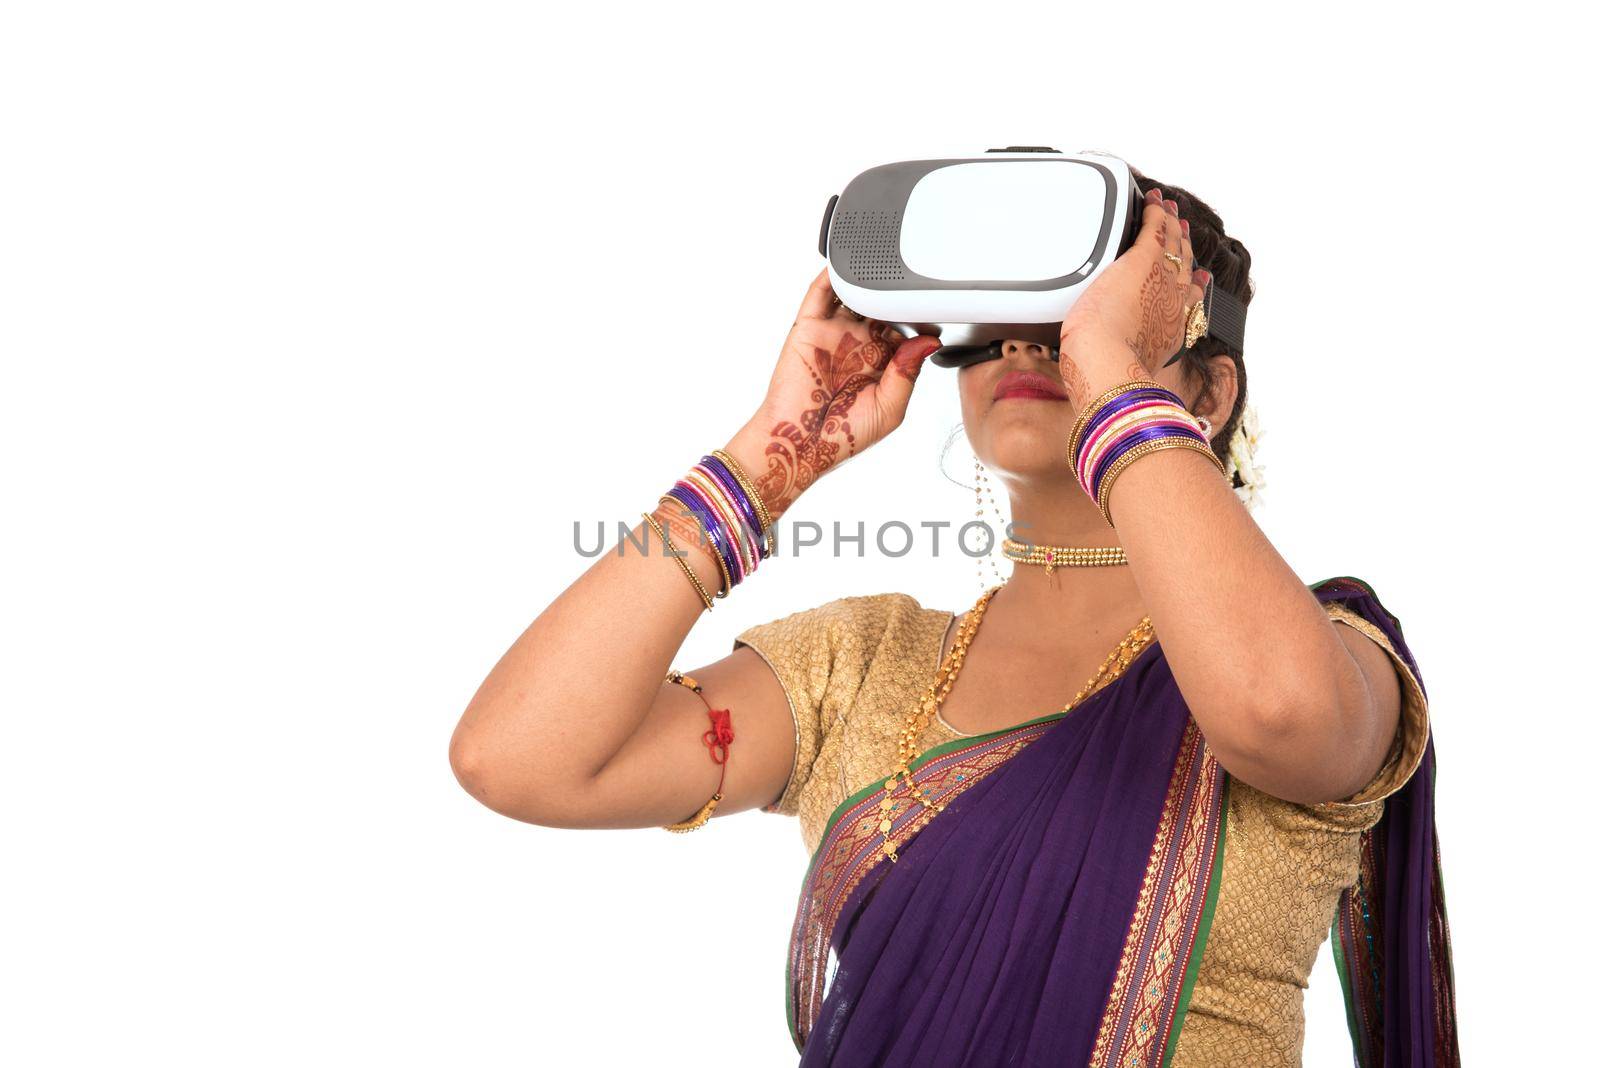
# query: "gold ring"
x,y
1197,326
1177,260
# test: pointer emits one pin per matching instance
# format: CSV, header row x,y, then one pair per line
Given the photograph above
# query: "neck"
x,y
1064,599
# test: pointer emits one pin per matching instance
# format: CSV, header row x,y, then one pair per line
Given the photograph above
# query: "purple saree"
x,y
1056,911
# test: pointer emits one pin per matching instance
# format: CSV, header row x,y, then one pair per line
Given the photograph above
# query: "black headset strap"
x,y
1225,312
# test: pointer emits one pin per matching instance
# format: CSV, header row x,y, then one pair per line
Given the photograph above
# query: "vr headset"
x,y
977,249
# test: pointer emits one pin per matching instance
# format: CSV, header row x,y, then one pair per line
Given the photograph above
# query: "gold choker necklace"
x,y
1054,556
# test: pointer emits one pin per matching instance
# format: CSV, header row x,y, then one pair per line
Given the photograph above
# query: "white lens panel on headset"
x,y
980,220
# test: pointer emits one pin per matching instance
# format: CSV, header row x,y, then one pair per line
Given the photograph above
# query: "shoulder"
x,y
827,659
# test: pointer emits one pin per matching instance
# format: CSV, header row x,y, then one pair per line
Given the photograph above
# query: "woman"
x,y
1011,864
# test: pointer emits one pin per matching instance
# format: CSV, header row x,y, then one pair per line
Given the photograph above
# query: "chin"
x,y
1029,448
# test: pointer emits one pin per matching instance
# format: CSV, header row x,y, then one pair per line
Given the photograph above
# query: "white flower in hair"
x,y
1242,458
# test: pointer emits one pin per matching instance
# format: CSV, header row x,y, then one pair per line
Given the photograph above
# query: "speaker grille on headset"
x,y
871,240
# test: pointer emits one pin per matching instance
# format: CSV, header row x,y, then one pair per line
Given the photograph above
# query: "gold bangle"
x,y
750,488
716,554
1145,449
699,587
717,500
1100,402
1108,431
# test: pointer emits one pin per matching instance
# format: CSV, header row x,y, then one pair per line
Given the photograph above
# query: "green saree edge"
x,y
932,754
1191,971
950,747
1342,967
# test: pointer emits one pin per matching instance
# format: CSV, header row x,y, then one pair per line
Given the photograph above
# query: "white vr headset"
x,y
977,249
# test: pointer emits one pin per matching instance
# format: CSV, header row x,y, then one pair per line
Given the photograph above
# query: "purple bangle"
x,y
1122,401
1141,412
686,495
730,485
1113,409
715,498
1136,437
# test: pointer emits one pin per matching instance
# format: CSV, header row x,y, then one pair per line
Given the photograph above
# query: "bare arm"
x,y
575,726
1298,706
1290,702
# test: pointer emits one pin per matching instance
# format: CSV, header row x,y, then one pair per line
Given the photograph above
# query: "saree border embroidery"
x,y
1171,918
1358,940
1365,928
851,848
1357,957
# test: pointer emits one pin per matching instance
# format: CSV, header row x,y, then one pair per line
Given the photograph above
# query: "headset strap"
x,y
1225,313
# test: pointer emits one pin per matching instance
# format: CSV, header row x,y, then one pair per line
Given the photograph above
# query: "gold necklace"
x,y
1054,556
923,712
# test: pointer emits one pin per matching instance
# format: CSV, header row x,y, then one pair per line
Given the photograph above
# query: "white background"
x,y
322,322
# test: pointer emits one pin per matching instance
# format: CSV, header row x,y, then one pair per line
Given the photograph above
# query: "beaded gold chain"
x,y
920,715
1054,556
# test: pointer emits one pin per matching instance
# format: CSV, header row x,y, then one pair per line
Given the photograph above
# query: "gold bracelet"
x,y
1095,405
755,498
699,587
1121,463
1107,432
722,565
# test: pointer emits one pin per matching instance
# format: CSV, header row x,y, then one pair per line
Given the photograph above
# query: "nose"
x,y
1031,349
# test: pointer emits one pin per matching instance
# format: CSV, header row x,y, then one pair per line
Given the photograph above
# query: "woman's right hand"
x,y
842,383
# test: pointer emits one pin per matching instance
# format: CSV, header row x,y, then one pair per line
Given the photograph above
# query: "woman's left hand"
x,y
1131,319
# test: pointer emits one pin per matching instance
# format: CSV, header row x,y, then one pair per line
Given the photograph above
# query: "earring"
x,y
980,485
1205,425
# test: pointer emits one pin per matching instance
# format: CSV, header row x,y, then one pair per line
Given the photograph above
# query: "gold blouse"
x,y
851,667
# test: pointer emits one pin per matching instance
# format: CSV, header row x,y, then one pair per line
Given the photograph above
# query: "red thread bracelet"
x,y
718,737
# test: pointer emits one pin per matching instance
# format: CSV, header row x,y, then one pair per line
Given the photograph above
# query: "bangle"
x,y
1113,404
1127,421
1094,406
727,516
710,532
717,739
1171,441
760,506
744,500
699,587
1104,437
733,519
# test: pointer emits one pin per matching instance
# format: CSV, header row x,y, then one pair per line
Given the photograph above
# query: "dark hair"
x,y
1229,263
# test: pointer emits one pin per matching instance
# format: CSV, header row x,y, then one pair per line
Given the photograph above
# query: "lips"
x,y
1029,384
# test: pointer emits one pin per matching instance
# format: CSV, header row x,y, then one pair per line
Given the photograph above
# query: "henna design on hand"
x,y
685,532
799,453
1072,378
905,361
681,526
1160,317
